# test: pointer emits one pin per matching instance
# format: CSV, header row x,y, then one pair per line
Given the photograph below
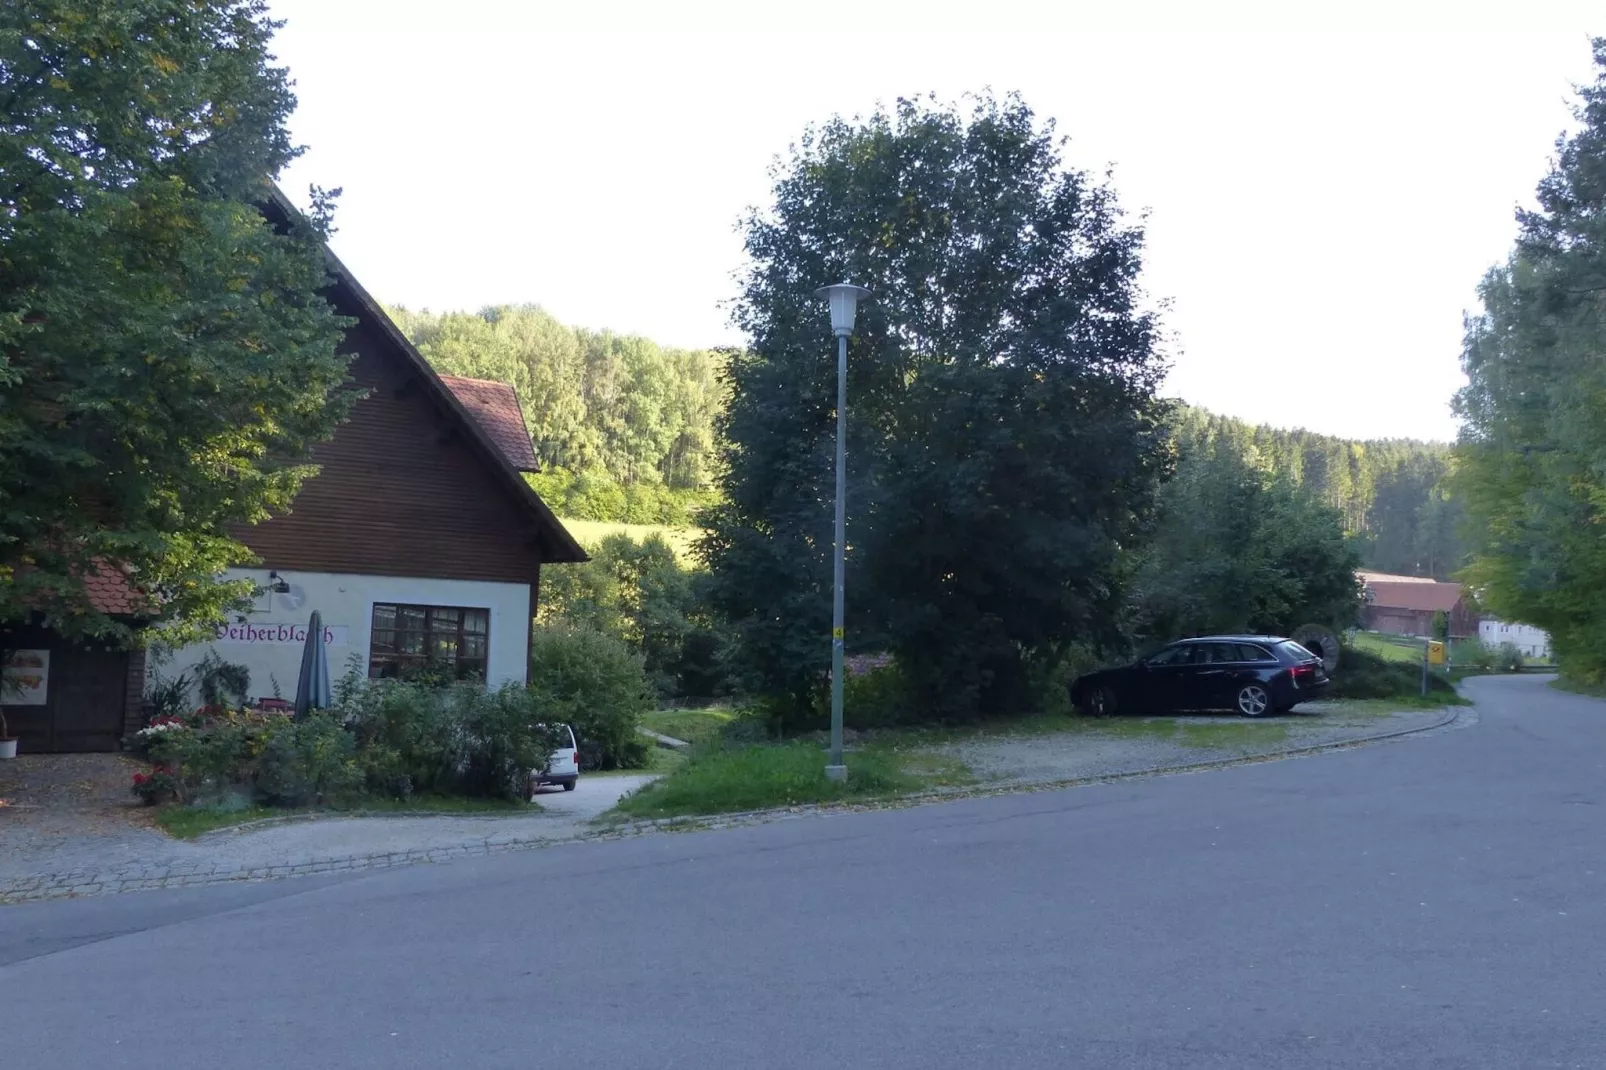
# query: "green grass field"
x,y
693,726
591,532
1389,647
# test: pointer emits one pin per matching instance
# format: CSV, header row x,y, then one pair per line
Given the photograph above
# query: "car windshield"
x,y
1293,649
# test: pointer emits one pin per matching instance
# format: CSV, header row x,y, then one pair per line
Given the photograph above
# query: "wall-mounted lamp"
x,y
277,584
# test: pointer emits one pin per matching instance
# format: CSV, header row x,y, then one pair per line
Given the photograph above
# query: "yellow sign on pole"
x,y
1435,653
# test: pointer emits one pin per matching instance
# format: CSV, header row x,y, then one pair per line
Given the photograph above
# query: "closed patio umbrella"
x,y
312,686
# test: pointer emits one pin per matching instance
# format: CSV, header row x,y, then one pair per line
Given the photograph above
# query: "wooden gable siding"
x,y
401,491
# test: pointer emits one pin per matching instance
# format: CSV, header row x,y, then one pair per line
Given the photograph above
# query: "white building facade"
x,y
1533,642
374,626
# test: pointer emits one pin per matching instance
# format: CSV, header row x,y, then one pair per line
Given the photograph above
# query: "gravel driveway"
x,y
70,811
1098,748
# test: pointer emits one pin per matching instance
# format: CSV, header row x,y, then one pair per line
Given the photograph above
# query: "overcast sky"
x,y
1323,191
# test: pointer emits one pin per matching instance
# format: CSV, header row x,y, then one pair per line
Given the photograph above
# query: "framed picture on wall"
x,y
25,678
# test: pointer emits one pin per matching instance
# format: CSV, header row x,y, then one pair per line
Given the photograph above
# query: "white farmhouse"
x,y
1533,642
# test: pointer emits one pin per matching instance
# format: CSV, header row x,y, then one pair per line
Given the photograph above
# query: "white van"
x,y
564,765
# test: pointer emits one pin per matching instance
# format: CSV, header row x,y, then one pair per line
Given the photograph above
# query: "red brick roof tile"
x,y
495,407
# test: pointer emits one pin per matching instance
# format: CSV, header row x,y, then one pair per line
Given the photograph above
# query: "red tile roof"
x,y
495,407
110,592
1410,592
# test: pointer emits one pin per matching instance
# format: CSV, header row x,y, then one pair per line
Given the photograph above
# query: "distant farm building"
x,y
1405,605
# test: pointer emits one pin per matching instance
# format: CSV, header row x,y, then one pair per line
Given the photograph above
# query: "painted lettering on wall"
x,y
333,634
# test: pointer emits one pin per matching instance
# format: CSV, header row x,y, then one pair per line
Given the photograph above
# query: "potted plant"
x,y
8,742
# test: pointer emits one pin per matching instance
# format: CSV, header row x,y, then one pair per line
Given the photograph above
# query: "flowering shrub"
x,y
159,785
391,737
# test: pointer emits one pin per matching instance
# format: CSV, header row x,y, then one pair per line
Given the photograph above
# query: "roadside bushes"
x,y
389,738
266,756
400,738
460,739
1363,675
598,686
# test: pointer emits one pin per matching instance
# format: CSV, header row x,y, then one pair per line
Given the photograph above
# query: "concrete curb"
x,y
82,884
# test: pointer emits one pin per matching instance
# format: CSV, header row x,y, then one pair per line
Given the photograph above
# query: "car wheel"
x,y
1254,701
568,785
1102,703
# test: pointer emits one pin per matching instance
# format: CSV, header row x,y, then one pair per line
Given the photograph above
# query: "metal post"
x,y
836,770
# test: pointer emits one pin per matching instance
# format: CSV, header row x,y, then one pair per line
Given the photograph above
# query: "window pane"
x,y
383,668
406,638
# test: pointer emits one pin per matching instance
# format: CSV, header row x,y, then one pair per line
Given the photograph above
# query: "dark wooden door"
x,y
87,693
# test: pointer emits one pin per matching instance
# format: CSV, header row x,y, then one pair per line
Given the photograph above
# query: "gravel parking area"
x,y
1118,746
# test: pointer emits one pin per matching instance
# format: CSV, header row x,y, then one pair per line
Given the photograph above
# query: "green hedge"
x,y
596,684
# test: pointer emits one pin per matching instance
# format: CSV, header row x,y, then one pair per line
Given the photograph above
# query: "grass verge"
x,y
693,726
660,760
765,776
185,822
1578,687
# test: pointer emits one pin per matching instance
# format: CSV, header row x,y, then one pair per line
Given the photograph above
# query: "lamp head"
x,y
844,298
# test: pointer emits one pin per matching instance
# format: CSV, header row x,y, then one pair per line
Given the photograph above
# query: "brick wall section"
x,y
134,693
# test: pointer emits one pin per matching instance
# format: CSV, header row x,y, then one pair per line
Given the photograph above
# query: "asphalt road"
x,y
1435,902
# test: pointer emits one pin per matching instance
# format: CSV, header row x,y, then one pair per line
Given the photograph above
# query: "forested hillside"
x,y
1389,493
625,431
623,427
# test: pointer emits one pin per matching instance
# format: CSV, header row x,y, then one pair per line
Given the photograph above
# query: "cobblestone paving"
x,y
42,857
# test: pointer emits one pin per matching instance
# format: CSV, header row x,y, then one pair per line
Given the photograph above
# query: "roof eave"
x,y
565,549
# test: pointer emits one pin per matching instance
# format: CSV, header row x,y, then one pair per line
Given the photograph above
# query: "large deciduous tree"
x,y
1531,461
1004,438
166,358
1238,549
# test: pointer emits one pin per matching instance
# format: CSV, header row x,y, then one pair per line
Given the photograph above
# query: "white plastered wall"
x,y
269,640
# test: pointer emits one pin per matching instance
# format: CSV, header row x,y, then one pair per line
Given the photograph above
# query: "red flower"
x,y
140,778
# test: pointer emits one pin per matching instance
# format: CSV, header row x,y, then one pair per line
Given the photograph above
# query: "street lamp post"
x,y
844,298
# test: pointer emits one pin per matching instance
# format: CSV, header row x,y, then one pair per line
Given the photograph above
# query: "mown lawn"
x,y
187,822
